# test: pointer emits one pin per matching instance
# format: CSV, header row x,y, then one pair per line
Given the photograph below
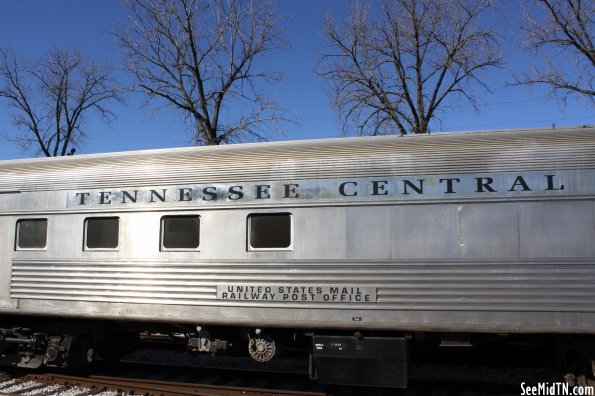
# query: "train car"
x,y
355,249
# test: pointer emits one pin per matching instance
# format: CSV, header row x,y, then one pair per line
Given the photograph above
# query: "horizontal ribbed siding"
x,y
520,285
315,159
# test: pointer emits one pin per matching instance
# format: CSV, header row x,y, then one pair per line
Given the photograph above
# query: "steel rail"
x,y
135,386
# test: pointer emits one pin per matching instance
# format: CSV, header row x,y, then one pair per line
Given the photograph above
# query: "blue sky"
x,y
32,28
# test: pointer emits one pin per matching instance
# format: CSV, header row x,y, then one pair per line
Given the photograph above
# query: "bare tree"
x,y
51,97
392,70
564,32
201,57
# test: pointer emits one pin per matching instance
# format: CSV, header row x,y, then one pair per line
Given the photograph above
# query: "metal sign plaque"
x,y
297,293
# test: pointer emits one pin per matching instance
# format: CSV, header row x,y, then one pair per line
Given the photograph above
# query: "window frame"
x,y
251,248
85,234
162,248
18,231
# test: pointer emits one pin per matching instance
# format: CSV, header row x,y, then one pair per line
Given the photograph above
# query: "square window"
x,y
32,233
180,232
102,232
270,230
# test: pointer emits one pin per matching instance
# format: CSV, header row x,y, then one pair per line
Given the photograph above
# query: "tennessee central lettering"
x,y
391,188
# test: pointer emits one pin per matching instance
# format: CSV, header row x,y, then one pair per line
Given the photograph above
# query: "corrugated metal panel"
x,y
313,159
488,285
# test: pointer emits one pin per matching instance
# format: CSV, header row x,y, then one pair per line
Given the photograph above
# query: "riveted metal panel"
x,y
556,229
490,230
369,232
320,233
425,231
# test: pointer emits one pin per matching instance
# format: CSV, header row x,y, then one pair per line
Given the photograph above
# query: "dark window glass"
x,y
181,232
102,232
32,234
270,230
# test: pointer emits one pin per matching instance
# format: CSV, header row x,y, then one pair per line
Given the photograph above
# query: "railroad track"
x,y
51,384
55,384
135,378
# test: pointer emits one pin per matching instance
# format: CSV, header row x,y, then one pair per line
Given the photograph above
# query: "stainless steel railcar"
x,y
361,244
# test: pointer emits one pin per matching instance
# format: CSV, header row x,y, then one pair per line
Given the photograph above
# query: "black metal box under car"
x,y
370,361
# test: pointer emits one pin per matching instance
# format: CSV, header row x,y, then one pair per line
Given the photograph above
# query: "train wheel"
x,y
80,353
263,348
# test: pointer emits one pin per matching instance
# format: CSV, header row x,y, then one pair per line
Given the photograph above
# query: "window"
x,y
102,232
180,232
32,233
270,230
